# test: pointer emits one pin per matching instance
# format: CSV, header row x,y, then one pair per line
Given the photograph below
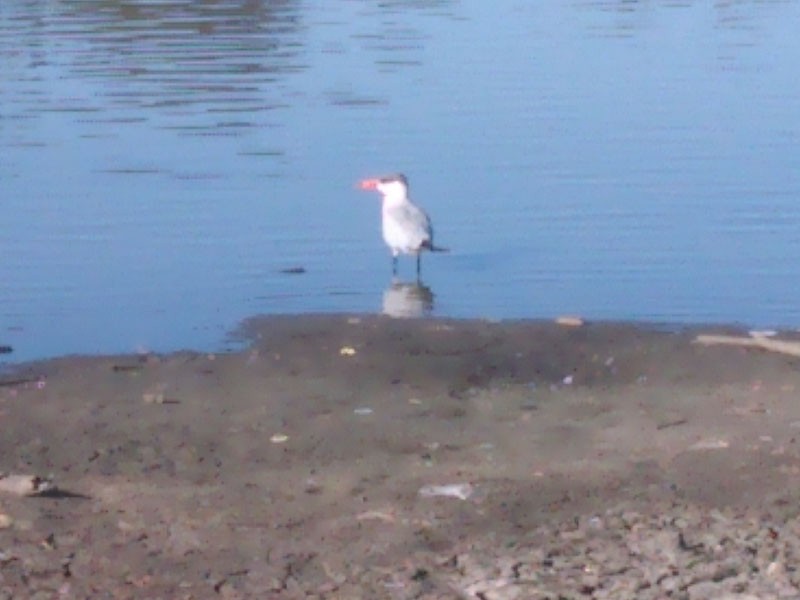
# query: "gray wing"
x,y
417,220
407,226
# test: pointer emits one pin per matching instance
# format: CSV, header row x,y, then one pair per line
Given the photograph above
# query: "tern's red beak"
x,y
368,184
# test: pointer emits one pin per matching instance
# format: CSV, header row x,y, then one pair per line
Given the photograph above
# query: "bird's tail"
x,y
431,248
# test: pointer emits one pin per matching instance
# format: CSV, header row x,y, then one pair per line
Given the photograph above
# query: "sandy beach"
x,y
364,457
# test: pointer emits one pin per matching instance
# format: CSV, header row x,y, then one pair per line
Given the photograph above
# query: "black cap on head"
x,y
395,177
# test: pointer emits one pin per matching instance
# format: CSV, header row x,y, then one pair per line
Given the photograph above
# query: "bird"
x,y
406,227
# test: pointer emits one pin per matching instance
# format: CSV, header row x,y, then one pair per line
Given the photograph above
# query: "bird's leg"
x,y
418,265
394,264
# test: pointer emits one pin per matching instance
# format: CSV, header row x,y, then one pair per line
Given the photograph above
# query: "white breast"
x,y
406,227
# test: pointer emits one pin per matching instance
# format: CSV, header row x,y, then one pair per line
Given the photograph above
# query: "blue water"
x,y
161,163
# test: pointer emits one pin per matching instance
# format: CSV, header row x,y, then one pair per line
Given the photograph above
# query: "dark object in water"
x,y
6,349
294,270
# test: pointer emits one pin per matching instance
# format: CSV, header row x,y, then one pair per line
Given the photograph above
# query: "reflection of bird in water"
x,y
406,227
407,300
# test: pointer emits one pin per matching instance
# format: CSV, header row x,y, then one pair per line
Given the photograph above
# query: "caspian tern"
x,y
406,227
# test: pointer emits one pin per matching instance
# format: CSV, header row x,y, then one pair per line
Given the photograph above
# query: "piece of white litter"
x,y
709,444
376,515
362,411
595,522
153,398
279,438
23,485
756,333
568,380
462,491
347,351
569,321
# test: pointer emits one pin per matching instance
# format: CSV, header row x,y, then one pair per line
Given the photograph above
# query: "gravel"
x,y
682,551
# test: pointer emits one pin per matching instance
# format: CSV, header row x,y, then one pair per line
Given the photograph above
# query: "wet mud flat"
x,y
365,457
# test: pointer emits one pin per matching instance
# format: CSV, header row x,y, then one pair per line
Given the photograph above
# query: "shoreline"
x,y
349,456
239,337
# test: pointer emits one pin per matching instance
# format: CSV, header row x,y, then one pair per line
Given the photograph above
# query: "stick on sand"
x,y
781,346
